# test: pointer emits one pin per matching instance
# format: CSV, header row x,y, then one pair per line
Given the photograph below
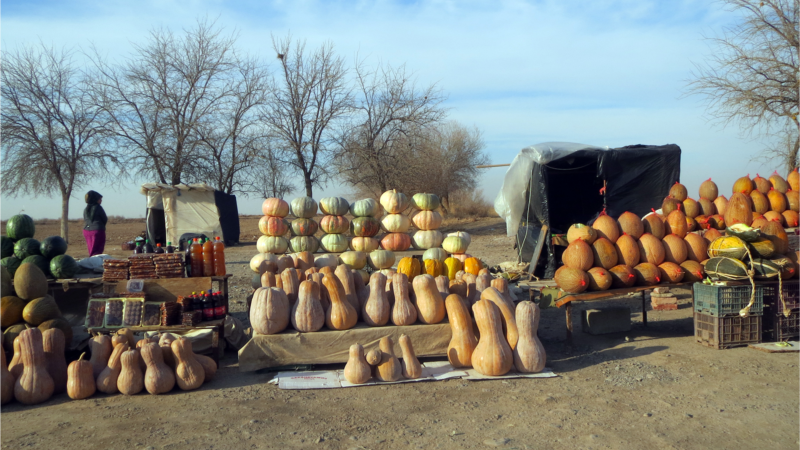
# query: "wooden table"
x,y
563,299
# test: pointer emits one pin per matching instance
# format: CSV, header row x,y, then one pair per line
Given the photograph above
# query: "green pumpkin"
x,y
334,243
304,207
425,202
334,206
367,207
304,244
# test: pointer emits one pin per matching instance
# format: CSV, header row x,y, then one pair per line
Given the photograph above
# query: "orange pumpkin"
x,y
334,224
434,267
473,265
396,242
273,226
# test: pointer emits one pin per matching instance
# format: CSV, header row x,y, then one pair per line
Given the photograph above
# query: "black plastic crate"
x,y
721,301
727,332
779,328
791,295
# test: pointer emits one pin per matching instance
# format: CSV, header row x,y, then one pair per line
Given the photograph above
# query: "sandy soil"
x,y
652,387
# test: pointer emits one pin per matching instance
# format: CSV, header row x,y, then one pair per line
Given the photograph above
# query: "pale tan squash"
x,y
307,314
463,340
345,275
80,379
131,378
291,284
529,354
189,374
376,311
209,366
15,366
492,356
483,281
268,280
159,378
501,284
340,315
403,312
34,385
324,297
506,307
374,357
362,288
442,285
165,342
53,345
458,287
412,369
269,311
128,335
389,369
107,380
430,305
357,371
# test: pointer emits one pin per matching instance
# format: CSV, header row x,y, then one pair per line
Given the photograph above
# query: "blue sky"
x,y
607,73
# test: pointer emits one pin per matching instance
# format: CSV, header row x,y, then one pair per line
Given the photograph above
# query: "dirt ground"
x,y
652,387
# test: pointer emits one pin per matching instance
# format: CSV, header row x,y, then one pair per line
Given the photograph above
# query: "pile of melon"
x,y
18,246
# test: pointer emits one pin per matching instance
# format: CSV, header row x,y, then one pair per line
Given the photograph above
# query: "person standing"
x,y
94,219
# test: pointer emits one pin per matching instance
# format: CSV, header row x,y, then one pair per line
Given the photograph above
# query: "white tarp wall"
x,y
187,209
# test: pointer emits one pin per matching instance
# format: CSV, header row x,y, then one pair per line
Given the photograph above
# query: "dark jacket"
x,y
94,216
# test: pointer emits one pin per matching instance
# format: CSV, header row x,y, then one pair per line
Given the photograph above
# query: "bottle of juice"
x,y
197,258
169,248
208,307
138,248
197,302
148,248
208,258
159,249
219,257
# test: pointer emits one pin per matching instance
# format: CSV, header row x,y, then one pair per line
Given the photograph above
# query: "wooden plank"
x,y
168,289
602,295
207,324
537,251
560,240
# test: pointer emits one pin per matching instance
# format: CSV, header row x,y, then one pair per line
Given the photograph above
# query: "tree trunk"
x,y
309,188
65,216
791,161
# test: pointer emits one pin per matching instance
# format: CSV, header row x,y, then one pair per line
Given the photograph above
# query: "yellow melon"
x,y
776,216
691,208
571,280
711,234
678,192
743,185
631,224
599,279
762,184
581,231
578,255
676,224
647,274
670,272
606,227
696,247
794,180
721,203
622,276
778,183
708,190
650,249
791,218
692,271
674,249
739,210
605,255
654,225
668,205
774,231
707,207
627,250
760,202
777,200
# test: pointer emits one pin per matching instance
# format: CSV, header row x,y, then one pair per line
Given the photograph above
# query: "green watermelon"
x,y
12,264
40,262
27,247
7,246
53,246
63,266
20,226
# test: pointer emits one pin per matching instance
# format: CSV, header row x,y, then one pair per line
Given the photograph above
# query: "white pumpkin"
x,y
394,202
255,261
395,223
326,261
424,239
463,235
434,253
381,259
304,207
454,244
353,259
334,243
364,244
272,244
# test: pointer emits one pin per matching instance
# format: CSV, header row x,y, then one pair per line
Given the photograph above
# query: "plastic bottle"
x,y
169,248
138,248
219,257
147,247
197,302
159,249
197,258
208,307
219,306
208,258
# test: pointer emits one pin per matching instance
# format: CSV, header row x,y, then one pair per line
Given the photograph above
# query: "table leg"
x,y
644,308
568,310
215,348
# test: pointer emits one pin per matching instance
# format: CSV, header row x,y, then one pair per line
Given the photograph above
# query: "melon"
x,y
20,226
759,222
702,222
761,184
793,200
647,274
743,232
6,247
622,276
721,203
30,282
678,192
776,216
794,180
53,246
711,234
5,281
11,333
41,262
691,208
791,218
762,248
777,200
707,207
606,227
743,185
760,202
650,249
605,255
674,249
738,210
773,231
716,221
728,247
627,250
581,231
676,224
696,247
631,224
764,269
11,310
668,205
708,190
27,247
789,268
61,324
578,255
599,279
653,224
691,224
41,309
778,183
11,264
670,272
572,281
692,271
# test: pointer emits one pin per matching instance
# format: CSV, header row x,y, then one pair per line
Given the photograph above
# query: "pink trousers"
x,y
95,241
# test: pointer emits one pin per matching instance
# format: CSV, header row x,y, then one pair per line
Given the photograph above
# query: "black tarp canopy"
x,y
559,184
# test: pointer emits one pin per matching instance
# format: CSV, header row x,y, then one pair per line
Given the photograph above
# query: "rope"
x,y
745,312
786,311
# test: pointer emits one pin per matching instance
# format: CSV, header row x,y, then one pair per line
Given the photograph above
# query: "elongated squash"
x,y
80,380
34,384
357,371
131,378
389,369
376,311
403,312
107,380
307,314
291,284
492,356
345,275
7,381
340,315
430,305
158,377
189,374
269,311
529,354
412,369
509,321
463,340
53,345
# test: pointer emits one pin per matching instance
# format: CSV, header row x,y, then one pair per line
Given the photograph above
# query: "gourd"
x,y
473,265
434,267
394,202
16,366
412,369
529,354
340,315
389,369
410,267
442,285
376,311
7,381
492,356
303,261
80,379
165,343
430,306
483,281
209,366
291,284
374,357
269,311
463,340
131,378
458,287
158,377
325,261
353,259
53,347
275,207
506,308
345,276
452,266
403,312
34,385
307,313
189,374
107,380
427,220
100,348
357,371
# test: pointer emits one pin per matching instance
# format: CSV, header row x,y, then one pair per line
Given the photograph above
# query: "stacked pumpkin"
x,y
427,220
395,223
334,224
365,226
273,227
304,226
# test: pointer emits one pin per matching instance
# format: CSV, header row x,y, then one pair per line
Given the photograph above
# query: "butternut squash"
x,y
34,384
492,356
374,357
159,378
529,355
412,369
131,378
303,261
324,297
53,345
269,311
442,285
501,284
128,335
430,305
268,279
291,284
100,349
118,339
463,340
15,366
80,379
165,342
483,281
307,314
189,374
346,277
285,262
139,344
6,381
362,289
403,312
340,315
389,369
458,287
357,371
209,366
509,321
107,380
376,311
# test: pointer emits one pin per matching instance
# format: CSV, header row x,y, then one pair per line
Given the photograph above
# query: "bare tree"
x,y
307,97
160,95
52,133
389,107
751,79
268,175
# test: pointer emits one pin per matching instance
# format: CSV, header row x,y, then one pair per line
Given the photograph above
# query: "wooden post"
x,y
644,308
569,324
537,251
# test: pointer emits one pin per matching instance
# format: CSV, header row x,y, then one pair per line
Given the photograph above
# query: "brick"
x,y
661,290
655,295
606,320
663,301
667,307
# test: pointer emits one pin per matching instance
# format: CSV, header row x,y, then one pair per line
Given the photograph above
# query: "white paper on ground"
x,y
318,379
474,375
